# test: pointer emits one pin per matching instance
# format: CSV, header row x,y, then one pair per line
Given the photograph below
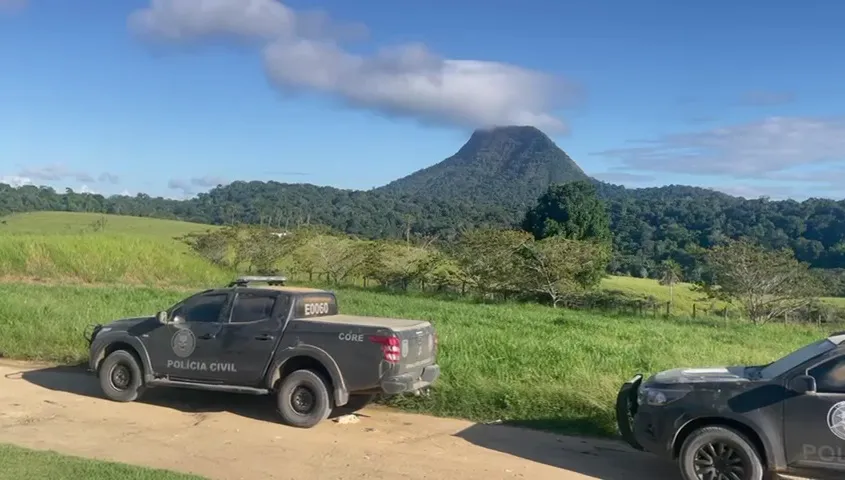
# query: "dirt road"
x,y
223,436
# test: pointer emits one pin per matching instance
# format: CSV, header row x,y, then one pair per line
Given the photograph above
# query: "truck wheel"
x,y
121,377
358,401
719,452
303,399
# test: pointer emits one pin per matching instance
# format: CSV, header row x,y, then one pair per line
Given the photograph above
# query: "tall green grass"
x,y
104,258
527,364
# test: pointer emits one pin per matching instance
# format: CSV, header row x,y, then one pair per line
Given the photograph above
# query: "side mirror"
x,y
803,384
161,317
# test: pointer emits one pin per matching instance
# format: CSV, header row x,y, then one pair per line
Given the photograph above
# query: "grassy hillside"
x,y
66,246
681,295
104,258
529,364
76,223
95,248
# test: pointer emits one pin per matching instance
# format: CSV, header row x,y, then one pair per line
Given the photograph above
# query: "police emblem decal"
x,y
836,420
183,343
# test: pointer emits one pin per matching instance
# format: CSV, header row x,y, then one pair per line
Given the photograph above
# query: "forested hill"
x,y
505,168
487,183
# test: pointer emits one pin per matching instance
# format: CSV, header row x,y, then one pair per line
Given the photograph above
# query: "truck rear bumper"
x,y
410,382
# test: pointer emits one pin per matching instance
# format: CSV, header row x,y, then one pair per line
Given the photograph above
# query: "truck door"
x,y
251,335
814,424
185,349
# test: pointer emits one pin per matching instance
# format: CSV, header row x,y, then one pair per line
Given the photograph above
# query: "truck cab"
x,y
266,339
745,422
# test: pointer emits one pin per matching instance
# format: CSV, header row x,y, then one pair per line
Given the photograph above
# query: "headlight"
x,y
657,397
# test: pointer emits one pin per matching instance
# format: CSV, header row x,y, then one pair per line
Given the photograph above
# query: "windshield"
x,y
796,358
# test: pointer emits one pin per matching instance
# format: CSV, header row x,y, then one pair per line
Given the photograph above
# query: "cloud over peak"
x,y
304,51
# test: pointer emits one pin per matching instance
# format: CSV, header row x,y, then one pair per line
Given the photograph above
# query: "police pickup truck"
x,y
266,339
785,419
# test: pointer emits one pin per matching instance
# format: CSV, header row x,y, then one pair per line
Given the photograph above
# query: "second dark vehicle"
x,y
745,422
270,339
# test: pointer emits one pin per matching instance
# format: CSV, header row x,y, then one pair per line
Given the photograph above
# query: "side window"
x,y
203,309
251,307
830,376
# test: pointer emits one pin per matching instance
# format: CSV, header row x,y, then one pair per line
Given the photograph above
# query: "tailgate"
x,y
417,347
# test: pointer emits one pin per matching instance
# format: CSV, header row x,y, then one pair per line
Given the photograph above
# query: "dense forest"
x,y
491,182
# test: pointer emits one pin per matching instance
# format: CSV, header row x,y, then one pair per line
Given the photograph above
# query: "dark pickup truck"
x,y
266,339
785,419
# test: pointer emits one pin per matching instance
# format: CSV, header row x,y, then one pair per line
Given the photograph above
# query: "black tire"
x,y
732,449
358,402
303,399
121,377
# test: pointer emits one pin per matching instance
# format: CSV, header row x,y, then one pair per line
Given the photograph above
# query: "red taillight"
x,y
389,347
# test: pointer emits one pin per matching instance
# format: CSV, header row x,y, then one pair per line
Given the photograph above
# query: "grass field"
x,y
62,246
23,464
549,368
53,223
139,250
104,258
528,364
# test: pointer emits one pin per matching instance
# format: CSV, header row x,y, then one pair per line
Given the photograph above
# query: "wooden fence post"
x,y
693,310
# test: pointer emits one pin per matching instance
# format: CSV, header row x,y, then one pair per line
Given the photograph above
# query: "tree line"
x,y
649,226
558,256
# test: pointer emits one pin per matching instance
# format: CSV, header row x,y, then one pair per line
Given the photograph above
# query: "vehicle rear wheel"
x,y
358,401
714,453
303,399
121,377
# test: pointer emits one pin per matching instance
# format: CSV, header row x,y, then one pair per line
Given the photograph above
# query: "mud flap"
x,y
626,410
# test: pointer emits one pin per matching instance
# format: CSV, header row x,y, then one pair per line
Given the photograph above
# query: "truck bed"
x,y
395,324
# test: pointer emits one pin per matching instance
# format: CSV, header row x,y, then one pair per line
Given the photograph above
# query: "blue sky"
x,y
171,97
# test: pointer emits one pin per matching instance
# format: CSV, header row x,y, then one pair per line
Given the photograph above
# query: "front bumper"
x,y
409,382
91,332
646,428
626,411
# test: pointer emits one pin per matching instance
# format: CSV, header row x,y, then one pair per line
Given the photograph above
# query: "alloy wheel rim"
x,y
719,461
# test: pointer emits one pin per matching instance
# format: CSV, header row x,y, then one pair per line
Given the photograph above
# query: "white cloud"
x,y
86,189
264,20
193,19
15,180
751,150
303,51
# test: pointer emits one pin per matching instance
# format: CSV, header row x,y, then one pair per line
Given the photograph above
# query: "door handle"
x,y
264,336
207,336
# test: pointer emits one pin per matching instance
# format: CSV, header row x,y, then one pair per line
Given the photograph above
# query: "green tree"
x,y
572,210
765,283
556,266
670,275
486,259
